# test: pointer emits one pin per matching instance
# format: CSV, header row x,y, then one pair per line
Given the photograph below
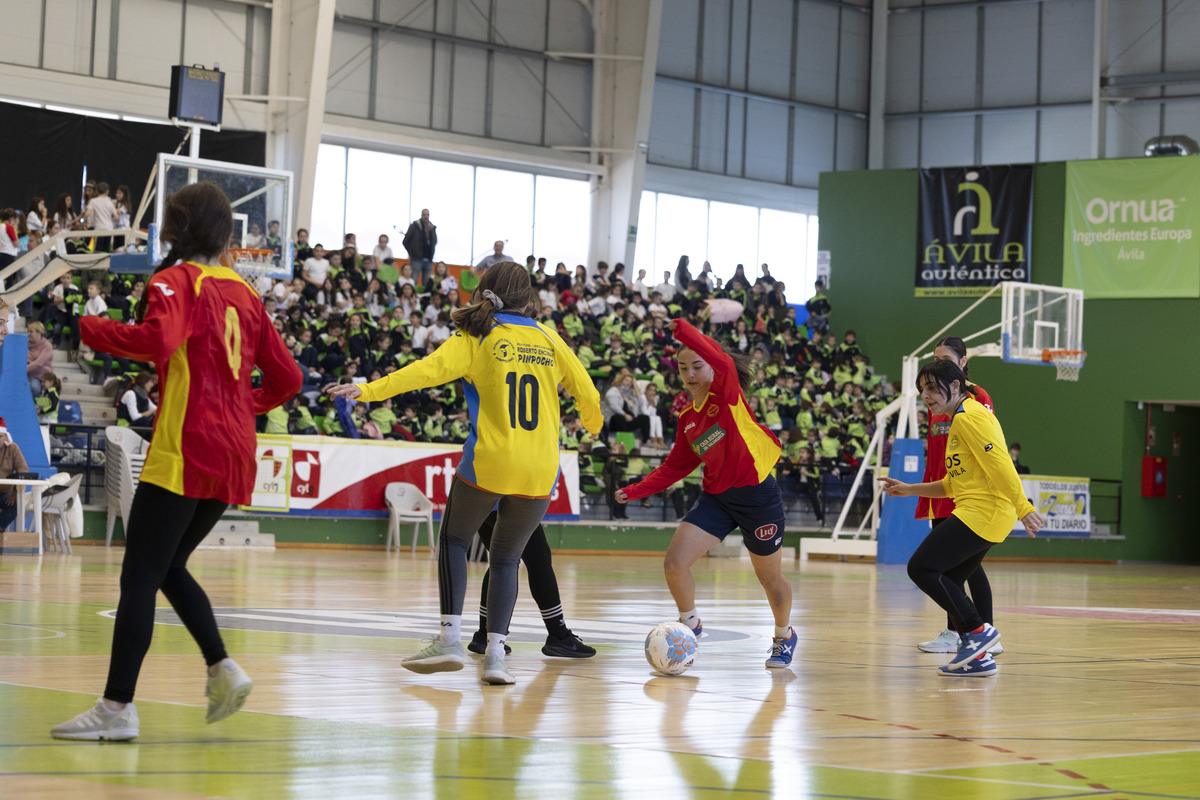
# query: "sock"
x,y
495,645
980,628
689,618
451,631
783,633
483,618
556,624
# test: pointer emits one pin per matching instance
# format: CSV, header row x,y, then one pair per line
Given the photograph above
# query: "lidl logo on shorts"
x,y
766,531
503,350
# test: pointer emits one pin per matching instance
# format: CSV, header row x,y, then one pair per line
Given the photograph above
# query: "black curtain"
x,y
47,151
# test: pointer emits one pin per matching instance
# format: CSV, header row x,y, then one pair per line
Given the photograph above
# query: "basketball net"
x,y
1066,362
252,264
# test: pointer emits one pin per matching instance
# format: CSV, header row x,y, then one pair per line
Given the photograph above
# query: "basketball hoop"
x,y
1067,362
253,264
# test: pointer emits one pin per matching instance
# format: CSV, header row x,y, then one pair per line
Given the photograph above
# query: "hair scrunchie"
x,y
496,301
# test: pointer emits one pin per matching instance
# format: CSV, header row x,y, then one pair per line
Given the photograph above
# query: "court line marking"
x,y
57,634
1084,758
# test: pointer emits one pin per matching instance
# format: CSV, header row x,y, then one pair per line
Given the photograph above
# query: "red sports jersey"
x,y
935,460
735,448
205,330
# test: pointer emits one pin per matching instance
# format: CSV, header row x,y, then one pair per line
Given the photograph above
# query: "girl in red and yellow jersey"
x,y
937,510
205,330
739,455
988,500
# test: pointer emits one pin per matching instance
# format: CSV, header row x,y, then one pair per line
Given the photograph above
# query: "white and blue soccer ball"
x,y
671,648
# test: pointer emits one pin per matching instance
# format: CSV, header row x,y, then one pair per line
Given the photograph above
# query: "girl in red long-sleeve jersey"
x,y
739,454
205,330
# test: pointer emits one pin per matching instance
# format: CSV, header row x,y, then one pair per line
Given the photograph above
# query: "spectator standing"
x,y
818,310
420,240
666,288
101,214
124,213
35,220
9,220
315,271
683,276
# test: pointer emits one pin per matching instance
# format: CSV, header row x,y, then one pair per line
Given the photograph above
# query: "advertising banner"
x,y
1129,230
313,476
975,229
1066,503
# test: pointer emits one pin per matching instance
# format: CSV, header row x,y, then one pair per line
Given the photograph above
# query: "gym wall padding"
x,y
1137,350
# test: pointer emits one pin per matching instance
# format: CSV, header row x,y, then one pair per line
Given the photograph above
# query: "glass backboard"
x,y
258,195
1037,318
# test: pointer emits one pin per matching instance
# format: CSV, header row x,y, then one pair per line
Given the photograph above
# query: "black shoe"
x,y
567,646
479,644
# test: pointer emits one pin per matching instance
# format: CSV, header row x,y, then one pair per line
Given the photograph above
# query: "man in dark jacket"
x,y
420,241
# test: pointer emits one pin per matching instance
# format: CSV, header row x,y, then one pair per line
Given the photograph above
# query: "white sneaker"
x,y
99,724
227,691
996,649
436,657
944,642
495,672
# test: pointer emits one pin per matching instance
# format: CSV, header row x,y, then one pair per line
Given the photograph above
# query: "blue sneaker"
x,y
782,651
698,631
983,667
973,644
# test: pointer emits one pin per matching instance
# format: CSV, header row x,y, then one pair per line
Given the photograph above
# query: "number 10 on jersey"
x,y
522,401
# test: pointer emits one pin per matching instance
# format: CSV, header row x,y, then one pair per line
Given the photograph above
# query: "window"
x,y
562,221
643,254
733,236
329,197
377,186
783,246
503,211
448,191
682,230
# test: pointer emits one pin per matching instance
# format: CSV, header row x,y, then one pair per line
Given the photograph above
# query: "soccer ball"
x,y
671,648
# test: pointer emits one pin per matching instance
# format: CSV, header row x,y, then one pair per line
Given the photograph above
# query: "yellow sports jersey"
x,y
980,475
510,379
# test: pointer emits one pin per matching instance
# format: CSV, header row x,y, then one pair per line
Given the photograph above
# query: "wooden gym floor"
x,y
1098,694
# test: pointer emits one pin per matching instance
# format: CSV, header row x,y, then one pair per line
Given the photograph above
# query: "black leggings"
x,y
981,589
164,528
543,584
948,556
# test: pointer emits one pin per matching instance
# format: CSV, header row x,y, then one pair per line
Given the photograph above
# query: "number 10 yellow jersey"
x,y
510,380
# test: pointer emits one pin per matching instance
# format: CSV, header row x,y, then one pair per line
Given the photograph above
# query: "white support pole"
x,y
877,102
1099,73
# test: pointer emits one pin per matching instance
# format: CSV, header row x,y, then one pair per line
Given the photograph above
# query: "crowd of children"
x,y
348,316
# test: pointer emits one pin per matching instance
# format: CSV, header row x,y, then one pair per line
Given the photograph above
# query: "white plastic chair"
x,y
54,511
125,455
407,503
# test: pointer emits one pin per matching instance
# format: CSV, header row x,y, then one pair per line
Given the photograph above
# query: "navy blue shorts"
x,y
757,510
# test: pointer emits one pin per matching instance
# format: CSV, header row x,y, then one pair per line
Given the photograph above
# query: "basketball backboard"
x,y
258,195
1037,318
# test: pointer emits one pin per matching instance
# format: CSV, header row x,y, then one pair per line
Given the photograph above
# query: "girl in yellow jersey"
x,y
510,366
988,499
